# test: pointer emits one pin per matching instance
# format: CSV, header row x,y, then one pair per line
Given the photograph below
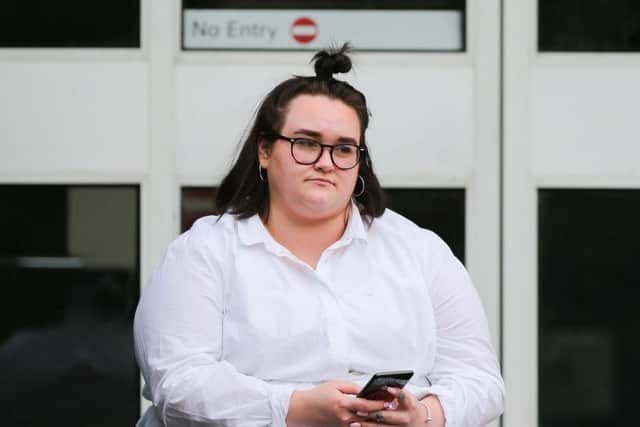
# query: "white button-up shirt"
x,y
231,323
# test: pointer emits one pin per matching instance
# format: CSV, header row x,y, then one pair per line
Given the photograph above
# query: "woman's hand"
x,y
330,404
405,410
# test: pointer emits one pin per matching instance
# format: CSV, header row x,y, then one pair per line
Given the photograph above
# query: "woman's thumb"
x,y
347,387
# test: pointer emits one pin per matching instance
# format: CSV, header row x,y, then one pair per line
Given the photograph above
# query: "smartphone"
x,y
375,387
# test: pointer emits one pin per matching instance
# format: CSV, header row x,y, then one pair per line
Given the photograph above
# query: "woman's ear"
x,y
264,152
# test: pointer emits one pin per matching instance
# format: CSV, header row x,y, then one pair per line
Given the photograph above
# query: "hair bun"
x,y
331,61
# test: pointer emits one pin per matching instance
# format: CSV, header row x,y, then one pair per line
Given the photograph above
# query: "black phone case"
x,y
374,389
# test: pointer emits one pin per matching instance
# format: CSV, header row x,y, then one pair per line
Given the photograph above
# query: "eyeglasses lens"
x,y
344,156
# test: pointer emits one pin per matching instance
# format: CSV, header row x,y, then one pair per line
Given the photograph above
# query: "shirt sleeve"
x,y
178,339
466,374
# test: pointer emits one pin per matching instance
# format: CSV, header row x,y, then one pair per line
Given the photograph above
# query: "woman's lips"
x,y
321,180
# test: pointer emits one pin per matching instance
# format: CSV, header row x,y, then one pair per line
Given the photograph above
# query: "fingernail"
x,y
362,414
386,405
393,405
354,425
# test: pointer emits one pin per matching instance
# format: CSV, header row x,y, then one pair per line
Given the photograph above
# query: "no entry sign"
x,y
304,30
280,29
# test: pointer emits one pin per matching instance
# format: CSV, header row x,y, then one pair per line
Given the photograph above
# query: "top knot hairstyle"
x,y
328,63
244,193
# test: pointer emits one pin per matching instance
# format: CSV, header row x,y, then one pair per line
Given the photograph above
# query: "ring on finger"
x,y
401,396
379,417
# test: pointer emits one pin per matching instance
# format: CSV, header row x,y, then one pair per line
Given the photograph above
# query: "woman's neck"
x,y
306,238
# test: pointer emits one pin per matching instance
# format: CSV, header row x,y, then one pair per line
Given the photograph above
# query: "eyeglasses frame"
x,y
292,141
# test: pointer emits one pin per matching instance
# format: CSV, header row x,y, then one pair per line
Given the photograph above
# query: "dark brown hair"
x,y
242,191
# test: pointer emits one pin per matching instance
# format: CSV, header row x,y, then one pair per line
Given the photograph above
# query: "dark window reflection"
x,y
69,272
324,4
440,210
589,25
69,23
196,202
589,288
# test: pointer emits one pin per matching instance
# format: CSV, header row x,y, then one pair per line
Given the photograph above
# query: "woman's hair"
x,y
243,191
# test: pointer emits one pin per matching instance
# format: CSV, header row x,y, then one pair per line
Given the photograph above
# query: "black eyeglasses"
x,y
306,151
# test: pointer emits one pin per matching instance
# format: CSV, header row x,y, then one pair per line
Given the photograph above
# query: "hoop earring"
x,y
260,173
361,192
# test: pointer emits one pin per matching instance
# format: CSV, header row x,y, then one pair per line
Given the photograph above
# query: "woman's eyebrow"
x,y
318,135
308,132
347,140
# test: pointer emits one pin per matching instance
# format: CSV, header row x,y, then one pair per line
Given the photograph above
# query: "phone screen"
x,y
375,388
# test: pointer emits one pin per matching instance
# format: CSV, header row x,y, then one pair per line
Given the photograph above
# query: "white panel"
x,y
519,261
71,118
214,107
483,195
585,122
421,124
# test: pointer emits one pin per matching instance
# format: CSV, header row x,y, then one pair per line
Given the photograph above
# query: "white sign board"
x,y
317,29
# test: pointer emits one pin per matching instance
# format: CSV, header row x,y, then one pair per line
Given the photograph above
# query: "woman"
x,y
277,311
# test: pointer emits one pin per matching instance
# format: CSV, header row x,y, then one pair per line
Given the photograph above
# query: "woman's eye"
x,y
346,149
307,143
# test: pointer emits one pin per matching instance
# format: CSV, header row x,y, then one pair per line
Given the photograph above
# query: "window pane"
x,y
70,23
589,25
440,210
589,362
69,273
196,202
376,25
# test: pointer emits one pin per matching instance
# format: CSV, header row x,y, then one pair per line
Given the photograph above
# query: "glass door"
x,y
571,203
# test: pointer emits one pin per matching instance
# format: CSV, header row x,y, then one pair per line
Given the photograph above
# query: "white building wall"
x,y
63,118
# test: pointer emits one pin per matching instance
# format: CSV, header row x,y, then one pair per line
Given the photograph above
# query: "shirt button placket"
x,y
335,321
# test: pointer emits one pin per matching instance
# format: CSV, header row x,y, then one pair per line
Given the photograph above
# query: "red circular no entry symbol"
x,y
304,30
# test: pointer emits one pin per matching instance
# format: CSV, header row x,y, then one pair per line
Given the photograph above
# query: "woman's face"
x,y
320,190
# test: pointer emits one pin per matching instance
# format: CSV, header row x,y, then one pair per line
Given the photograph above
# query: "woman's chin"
x,y
318,209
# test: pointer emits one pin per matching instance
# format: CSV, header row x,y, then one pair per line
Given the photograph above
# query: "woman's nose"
x,y
325,162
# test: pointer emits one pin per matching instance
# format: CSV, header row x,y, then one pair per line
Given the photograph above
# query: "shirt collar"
x,y
252,231
355,228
